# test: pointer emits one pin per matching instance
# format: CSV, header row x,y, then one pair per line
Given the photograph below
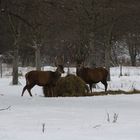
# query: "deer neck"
x,y
79,70
57,74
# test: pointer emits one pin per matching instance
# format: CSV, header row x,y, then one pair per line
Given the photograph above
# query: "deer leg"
x,y
24,90
51,91
28,87
90,86
46,91
105,84
29,90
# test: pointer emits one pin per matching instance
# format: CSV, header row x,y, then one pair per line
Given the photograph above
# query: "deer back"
x,y
40,78
43,78
98,74
92,75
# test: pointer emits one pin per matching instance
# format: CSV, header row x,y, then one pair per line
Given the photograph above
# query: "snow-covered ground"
x,y
111,117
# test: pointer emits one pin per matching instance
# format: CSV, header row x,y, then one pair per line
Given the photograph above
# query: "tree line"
x,y
95,32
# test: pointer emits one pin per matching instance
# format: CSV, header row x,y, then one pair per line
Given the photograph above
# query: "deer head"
x,y
59,63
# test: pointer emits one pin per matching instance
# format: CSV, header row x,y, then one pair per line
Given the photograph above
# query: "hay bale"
x,y
70,85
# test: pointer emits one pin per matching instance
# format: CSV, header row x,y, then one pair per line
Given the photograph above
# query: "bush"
x,y
70,85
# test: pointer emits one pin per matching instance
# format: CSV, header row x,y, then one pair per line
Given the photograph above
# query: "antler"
x,y
59,60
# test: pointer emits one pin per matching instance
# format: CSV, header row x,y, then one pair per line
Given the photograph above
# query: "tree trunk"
x,y
133,61
108,49
121,69
133,54
37,57
92,56
15,66
107,59
1,68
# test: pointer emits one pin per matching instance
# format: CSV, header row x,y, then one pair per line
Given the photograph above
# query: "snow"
x,y
76,118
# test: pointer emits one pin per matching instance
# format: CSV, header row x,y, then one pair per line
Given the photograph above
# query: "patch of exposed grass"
x,y
117,92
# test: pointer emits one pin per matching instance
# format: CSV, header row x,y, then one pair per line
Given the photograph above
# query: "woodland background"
x,y
97,32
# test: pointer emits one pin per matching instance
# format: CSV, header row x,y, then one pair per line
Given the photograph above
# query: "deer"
x,y
43,78
92,75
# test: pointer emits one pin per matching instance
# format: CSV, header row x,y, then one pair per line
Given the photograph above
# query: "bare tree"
x,y
15,25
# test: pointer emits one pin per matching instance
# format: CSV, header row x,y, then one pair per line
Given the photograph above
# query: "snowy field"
x,y
111,117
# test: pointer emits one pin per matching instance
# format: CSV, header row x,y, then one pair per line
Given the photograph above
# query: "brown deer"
x,y
43,78
92,75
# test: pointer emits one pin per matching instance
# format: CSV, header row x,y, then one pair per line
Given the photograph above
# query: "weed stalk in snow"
x,y
43,127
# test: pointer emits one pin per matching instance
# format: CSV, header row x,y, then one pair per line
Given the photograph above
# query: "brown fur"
x,y
42,78
91,76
